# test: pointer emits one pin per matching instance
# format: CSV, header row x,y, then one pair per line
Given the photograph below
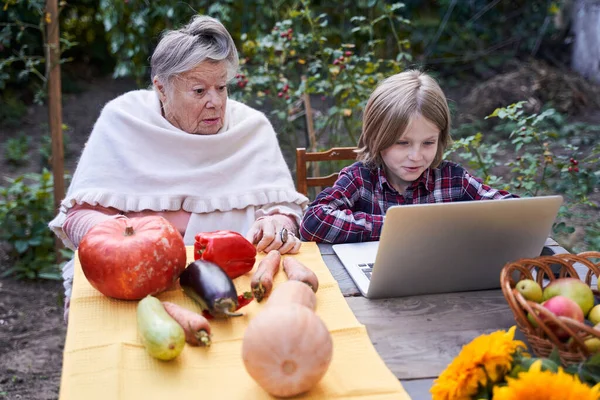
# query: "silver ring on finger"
x,y
283,235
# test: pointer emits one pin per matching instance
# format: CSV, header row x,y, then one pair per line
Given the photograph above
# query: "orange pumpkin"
x,y
131,258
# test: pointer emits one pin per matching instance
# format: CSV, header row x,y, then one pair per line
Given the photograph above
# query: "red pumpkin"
x,y
131,258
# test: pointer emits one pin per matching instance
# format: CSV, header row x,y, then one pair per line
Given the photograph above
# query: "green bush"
x,y
295,58
22,39
481,36
449,36
12,110
16,150
26,207
546,161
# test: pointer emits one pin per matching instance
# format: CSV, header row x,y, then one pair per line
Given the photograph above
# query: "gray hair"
x,y
181,50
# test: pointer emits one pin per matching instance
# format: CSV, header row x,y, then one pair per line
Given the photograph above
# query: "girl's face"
x,y
412,154
197,100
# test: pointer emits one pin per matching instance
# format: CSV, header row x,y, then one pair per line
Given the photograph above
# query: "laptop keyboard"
x,y
366,268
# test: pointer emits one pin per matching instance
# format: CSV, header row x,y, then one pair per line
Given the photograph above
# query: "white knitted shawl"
x,y
136,160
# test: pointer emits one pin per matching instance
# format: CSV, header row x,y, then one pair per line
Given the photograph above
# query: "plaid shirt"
x,y
353,210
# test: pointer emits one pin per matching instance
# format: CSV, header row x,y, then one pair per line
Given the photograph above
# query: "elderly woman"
x,y
184,151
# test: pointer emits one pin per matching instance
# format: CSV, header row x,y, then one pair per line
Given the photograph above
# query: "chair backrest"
x,y
303,158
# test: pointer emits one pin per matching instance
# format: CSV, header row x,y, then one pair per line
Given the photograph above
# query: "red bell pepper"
x,y
229,250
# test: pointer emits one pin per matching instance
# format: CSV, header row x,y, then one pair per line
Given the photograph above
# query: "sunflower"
x,y
482,362
537,384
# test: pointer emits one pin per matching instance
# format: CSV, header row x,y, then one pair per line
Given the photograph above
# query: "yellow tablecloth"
x,y
104,357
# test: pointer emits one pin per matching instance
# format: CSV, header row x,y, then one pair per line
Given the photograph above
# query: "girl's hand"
x,y
269,233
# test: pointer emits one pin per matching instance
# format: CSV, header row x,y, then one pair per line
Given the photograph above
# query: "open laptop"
x,y
448,247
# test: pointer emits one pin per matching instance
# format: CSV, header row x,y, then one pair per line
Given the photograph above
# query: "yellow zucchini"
x,y
161,335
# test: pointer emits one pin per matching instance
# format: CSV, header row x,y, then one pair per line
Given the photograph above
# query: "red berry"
x,y
348,53
575,162
341,58
523,129
286,87
287,96
267,91
280,94
576,169
571,159
570,169
342,67
336,61
290,30
283,34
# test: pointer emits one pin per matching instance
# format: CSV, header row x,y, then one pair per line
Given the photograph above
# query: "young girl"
x,y
406,129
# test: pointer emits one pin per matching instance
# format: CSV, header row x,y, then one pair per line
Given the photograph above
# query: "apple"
x,y
564,307
530,290
574,289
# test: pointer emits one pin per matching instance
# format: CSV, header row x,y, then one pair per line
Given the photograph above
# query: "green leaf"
x,y
55,276
494,114
21,246
555,356
589,370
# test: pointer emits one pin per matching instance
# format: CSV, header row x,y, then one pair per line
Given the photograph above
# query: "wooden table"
x,y
418,336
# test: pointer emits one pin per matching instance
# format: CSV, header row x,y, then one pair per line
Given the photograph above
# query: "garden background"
x,y
523,119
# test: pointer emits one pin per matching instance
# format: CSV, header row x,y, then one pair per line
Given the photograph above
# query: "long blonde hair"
x,y
390,108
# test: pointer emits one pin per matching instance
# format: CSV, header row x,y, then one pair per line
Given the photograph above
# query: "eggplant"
x,y
211,287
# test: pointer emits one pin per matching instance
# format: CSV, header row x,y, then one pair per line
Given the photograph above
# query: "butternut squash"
x,y
287,349
293,292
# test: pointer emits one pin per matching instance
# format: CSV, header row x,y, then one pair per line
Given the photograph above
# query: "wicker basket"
x,y
541,339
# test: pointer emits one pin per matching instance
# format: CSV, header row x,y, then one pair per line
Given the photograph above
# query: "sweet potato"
x,y
297,271
262,280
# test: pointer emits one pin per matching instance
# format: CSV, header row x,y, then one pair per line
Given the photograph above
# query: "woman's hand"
x,y
269,233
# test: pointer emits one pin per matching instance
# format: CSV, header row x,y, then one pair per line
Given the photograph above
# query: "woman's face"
x,y
196,100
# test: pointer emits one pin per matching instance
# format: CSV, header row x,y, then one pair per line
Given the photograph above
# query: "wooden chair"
x,y
303,158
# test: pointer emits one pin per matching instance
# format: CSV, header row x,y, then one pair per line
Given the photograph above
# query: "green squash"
x,y
161,335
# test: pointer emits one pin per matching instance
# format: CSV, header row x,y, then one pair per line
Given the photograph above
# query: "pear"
x,y
594,315
530,289
592,344
573,288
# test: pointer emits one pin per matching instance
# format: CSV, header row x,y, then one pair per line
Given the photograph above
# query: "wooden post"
x,y
312,137
54,99
54,104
